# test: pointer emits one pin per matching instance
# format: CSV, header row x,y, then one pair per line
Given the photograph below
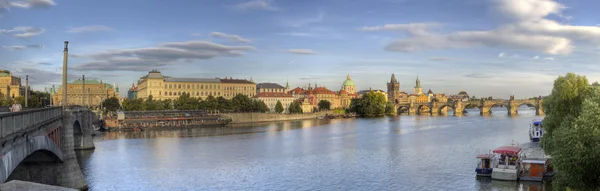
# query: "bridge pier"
x,y
38,146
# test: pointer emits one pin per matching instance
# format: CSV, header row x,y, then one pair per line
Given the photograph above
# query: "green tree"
x,y
324,105
210,104
295,107
167,104
133,104
185,102
151,105
279,107
390,109
111,104
242,103
370,104
224,104
262,106
572,137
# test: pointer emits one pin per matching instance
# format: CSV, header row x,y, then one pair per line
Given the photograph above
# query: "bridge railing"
x,y
17,121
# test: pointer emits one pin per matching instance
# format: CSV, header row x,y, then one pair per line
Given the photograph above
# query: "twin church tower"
x,y
393,89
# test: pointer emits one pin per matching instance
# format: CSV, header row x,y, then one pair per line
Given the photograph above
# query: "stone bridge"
x,y
39,145
437,108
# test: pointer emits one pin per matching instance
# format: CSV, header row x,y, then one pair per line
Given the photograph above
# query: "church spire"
x,y
418,83
348,77
393,80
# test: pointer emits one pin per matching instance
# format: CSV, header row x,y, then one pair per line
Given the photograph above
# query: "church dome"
x,y
348,81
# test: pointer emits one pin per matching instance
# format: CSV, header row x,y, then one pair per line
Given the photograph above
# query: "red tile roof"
x,y
297,90
322,90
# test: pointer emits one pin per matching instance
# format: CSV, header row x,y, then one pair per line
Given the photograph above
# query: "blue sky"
x,y
486,47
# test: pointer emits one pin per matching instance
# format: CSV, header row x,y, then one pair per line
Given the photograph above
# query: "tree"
x,y
262,106
167,104
324,105
390,109
133,104
572,137
185,102
279,107
370,104
111,104
242,103
151,105
295,107
224,104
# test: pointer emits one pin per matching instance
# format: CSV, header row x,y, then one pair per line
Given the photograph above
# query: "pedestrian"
x,y
16,107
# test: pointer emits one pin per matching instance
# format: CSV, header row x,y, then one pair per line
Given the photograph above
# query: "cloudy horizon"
x,y
488,48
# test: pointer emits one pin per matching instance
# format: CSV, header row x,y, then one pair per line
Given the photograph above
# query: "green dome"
x,y
348,81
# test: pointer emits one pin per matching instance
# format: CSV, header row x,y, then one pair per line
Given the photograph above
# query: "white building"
x,y
271,98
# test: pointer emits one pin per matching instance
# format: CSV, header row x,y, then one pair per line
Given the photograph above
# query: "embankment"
x,y
244,118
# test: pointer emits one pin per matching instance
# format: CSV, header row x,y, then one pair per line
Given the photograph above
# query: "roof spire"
x,y
348,77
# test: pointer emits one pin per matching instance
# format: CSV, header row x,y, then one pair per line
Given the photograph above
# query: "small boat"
x,y
484,168
535,169
536,130
508,165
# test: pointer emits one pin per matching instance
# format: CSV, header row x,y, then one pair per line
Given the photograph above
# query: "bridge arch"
x,y
419,109
445,106
402,109
77,128
23,161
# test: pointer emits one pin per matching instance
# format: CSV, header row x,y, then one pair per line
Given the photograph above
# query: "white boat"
x,y
536,130
508,163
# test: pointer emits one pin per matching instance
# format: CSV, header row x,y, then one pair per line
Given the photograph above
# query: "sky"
x,y
485,47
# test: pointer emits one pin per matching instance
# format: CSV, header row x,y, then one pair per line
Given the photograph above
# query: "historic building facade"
x,y
271,87
95,92
398,97
10,86
271,98
165,87
310,98
132,93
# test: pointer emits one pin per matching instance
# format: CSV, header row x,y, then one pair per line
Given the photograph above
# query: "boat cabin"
x,y
484,167
534,169
536,130
508,165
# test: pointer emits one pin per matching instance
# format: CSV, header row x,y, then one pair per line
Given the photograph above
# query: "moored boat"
x,y
536,130
484,167
508,164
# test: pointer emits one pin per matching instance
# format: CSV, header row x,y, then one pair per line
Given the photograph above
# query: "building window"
x,y
179,87
202,86
188,86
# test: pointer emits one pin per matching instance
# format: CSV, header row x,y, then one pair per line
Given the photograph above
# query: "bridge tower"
x,y
393,89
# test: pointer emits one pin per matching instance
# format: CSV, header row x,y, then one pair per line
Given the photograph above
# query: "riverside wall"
x,y
242,118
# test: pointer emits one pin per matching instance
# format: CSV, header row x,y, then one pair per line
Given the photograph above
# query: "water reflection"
x,y
393,153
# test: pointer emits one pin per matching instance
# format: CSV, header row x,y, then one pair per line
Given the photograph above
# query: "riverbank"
x,y
250,118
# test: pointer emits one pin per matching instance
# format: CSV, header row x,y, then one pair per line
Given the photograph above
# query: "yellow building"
x,y
165,87
95,93
10,86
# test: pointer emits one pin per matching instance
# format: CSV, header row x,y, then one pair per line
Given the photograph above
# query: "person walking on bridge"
x,y
16,107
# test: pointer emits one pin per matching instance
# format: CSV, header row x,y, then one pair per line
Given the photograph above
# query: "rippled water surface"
x,y
393,153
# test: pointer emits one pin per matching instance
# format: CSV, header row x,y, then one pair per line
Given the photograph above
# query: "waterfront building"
x,y
311,97
271,87
349,86
394,94
418,89
132,93
271,98
461,96
95,92
166,87
10,86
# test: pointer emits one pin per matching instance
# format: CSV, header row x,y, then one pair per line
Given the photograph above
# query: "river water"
x,y
391,153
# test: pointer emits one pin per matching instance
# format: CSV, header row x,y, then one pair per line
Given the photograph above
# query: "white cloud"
x,y
300,22
29,4
23,31
91,28
22,47
536,57
142,59
197,34
440,59
549,58
527,29
301,51
411,28
501,55
233,38
257,5
505,55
